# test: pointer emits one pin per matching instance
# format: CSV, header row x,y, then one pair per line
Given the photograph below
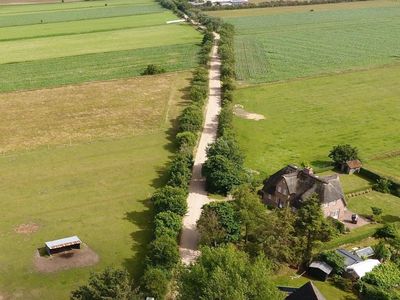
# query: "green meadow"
x,y
284,43
305,118
86,140
85,164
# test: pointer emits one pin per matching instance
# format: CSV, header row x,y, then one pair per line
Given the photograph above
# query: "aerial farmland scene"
x,y
200,149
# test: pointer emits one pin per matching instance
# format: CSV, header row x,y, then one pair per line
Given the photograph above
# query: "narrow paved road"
x,y
197,192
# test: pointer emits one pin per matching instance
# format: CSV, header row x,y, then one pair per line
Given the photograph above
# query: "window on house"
x,y
279,189
269,196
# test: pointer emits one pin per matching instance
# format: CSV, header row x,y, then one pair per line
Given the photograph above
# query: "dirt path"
x,y
197,192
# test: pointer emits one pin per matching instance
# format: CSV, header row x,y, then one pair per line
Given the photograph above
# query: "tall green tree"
x,y
309,225
218,224
342,153
225,273
109,284
250,210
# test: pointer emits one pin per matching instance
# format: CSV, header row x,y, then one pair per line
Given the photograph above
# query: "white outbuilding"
x,y
358,270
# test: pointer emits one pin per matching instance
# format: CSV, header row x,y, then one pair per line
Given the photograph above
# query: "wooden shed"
x,y
352,166
61,245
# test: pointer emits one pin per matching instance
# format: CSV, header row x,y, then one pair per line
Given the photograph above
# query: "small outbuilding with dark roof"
x,y
306,292
319,270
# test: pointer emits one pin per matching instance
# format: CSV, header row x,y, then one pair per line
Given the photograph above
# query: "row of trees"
x,y
224,166
169,206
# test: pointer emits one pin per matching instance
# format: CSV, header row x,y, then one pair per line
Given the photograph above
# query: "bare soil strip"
x,y
197,191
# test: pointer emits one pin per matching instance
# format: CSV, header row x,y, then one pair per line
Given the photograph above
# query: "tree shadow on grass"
x,y
390,219
141,237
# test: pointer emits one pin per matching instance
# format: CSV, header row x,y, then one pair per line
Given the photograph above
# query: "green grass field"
x,y
306,118
389,204
85,164
281,44
88,41
81,155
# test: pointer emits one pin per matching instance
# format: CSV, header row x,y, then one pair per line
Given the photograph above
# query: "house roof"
x,y
365,252
321,265
354,164
306,292
303,184
349,258
69,241
363,267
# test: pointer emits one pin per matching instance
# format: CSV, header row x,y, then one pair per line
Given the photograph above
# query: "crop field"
x,y
47,45
82,160
285,43
306,118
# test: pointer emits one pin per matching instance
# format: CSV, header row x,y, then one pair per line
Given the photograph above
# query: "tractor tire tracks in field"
x,y
197,190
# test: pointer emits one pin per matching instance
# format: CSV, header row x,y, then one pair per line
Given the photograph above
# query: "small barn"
x,y
352,166
319,270
62,245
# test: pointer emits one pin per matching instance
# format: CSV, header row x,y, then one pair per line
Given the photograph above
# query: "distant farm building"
x,y
62,245
351,166
365,252
291,186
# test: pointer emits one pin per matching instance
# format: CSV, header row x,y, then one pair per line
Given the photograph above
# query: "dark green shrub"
x,y
382,251
109,284
225,121
152,70
383,185
339,226
342,283
155,282
167,223
342,153
191,119
222,174
198,93
170,198
163,253
180,170
186,139
334,259
388,231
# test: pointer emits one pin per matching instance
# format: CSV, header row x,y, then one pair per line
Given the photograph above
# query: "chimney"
x,y
308,170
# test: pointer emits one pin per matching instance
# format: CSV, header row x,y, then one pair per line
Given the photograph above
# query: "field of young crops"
x,y
305,118
305,41
47,45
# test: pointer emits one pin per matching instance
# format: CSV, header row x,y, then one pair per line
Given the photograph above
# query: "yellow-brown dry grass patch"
x,y
80,113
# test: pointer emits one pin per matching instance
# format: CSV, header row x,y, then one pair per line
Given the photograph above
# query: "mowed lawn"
x,y
284,43
389,204
306,118
89,166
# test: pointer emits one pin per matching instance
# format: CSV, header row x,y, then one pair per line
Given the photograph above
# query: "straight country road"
x,y
197,190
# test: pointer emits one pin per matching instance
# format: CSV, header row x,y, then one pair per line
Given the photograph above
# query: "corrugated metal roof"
x,y
69,241
362,268
322,266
